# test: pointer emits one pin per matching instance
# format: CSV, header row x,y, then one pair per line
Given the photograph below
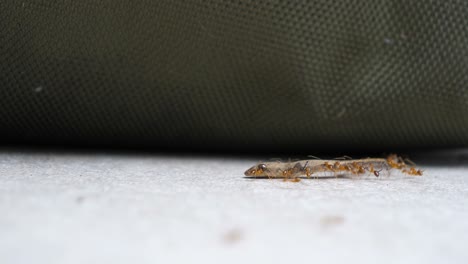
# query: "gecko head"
x,y
258,170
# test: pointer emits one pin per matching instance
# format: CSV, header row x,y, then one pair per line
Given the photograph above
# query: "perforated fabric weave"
x,y
235,75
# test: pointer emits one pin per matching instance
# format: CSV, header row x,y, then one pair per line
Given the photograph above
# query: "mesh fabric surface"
x,y
235,75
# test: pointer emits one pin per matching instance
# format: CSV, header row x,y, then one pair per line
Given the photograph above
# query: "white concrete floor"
x,y
63,207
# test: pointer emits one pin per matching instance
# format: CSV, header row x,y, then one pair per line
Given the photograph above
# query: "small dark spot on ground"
x,y
331,221
233,236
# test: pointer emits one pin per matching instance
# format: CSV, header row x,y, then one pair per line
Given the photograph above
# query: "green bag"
x,y
235,75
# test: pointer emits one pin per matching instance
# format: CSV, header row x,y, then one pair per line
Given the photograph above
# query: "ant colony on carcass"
x,y
318,168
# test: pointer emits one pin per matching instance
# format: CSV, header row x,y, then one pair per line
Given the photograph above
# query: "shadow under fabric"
x,y
235,75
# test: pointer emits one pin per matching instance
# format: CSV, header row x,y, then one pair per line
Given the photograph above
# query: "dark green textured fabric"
x,y
235,75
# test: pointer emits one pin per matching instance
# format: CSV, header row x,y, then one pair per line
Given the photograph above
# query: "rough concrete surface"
x,y
65,207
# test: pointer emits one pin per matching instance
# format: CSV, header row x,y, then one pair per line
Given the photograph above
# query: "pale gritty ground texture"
x,y
65,207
